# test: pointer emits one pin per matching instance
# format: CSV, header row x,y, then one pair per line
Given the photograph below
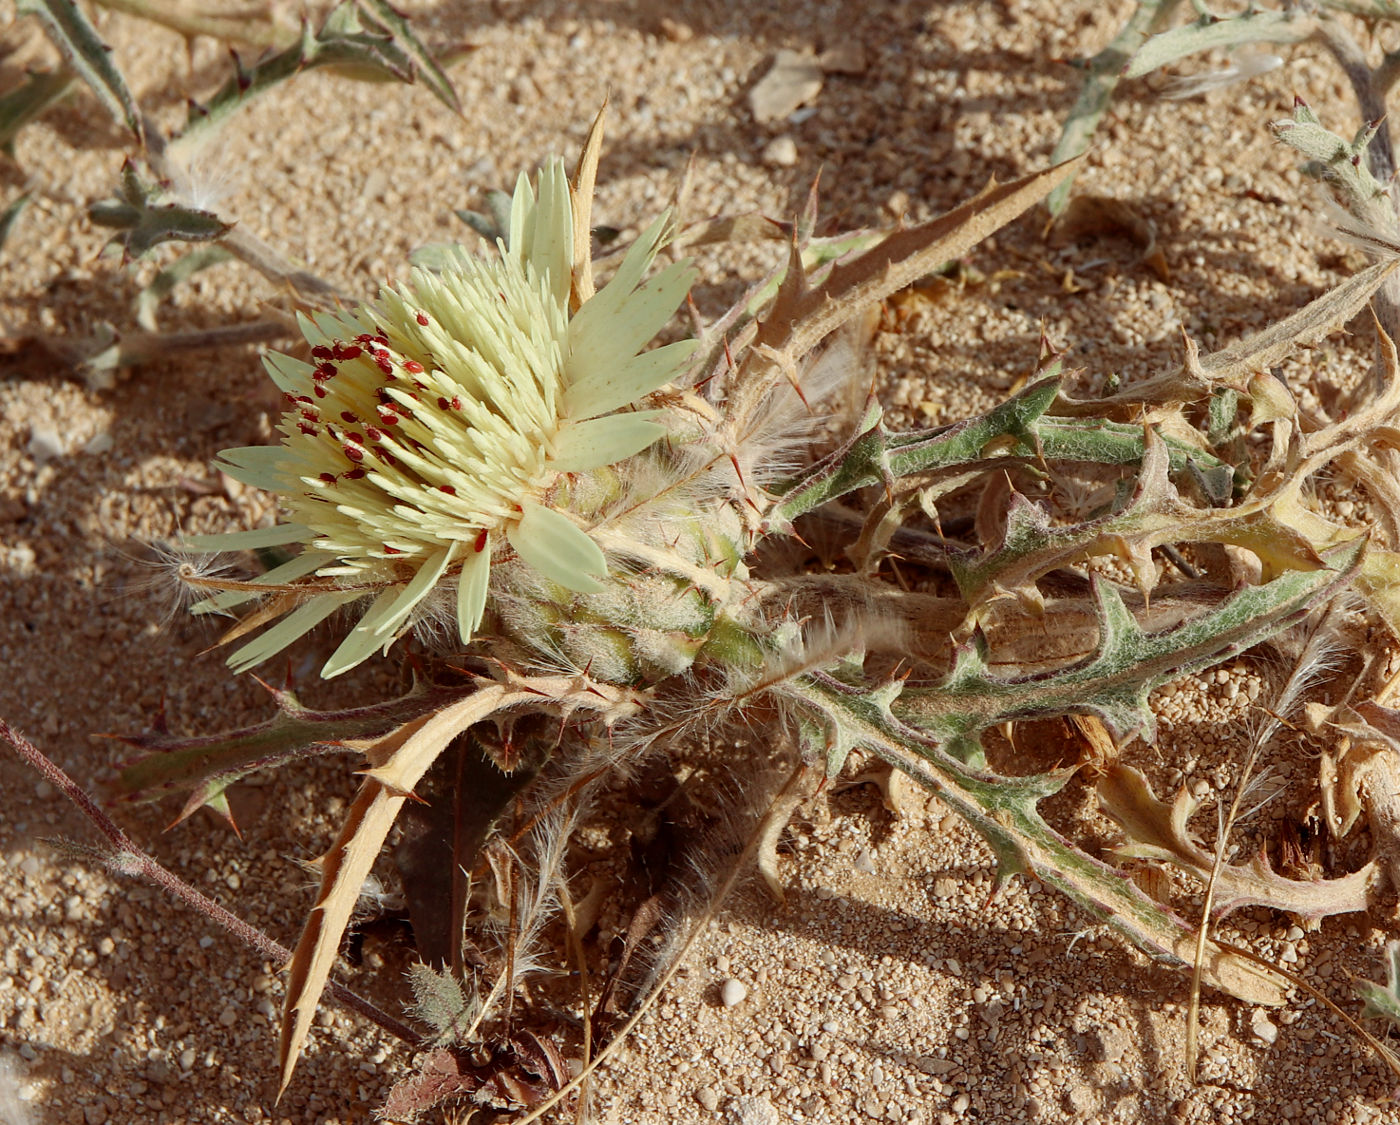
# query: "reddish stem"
x,y
128,859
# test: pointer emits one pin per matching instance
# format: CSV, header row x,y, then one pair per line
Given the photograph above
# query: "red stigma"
x,y
480,541
422,319
447,488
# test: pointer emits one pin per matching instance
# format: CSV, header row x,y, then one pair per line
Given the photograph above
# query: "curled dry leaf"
x,y
398,760
1158,830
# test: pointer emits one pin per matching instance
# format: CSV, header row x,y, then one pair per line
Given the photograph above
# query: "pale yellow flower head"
x,y
429,427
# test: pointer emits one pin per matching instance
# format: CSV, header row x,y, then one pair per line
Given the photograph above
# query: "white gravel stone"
x,y
750,1110
733,992
780,152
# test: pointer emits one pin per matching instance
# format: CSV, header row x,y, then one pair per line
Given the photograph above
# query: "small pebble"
x,y
229,1016
733,992
44,446
781,152
750,1110
708,1097
1265,1031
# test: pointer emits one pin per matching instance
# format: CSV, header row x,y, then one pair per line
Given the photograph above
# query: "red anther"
x,y
363,338
356,438
356,474
354,452
388,550
442,403
324,371
413,367
307,428
456,403
320,351
289,399
372,433
382,362
387,416
385,456
480,541
329,478
447,488
349,352
321,391
304,398
349,416
311,414
422,319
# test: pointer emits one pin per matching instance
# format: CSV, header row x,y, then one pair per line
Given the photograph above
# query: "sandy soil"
x,y
888,987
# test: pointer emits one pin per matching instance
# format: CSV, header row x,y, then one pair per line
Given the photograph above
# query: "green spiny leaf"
x,y
89,57
441,1002
144,222
1115,681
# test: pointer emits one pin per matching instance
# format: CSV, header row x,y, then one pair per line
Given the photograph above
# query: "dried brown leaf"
x,y
793,330
1157,830
398,760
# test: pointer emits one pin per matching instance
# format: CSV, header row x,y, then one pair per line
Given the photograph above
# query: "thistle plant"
x,y
491,445
585,529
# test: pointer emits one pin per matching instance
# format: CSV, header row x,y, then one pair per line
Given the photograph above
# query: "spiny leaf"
x,y
89,57
398,760
1015,428
385,50
172,762
441,1001
1002,810
1115,681
1235,366
407,41
1157,830
897,261
144,222
1383,1001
